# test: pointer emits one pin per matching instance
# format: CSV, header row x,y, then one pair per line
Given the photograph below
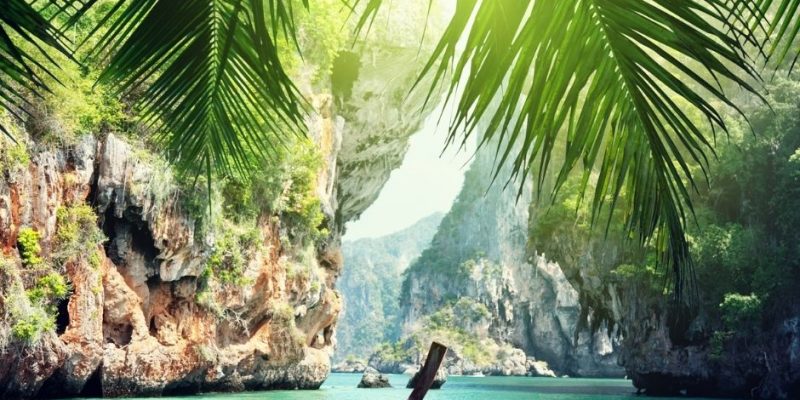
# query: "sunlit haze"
x,y
428,181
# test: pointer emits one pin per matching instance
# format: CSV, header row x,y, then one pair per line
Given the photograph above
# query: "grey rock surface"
x,y
372,379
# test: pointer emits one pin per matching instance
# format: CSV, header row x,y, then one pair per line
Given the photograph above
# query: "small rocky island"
x,y
372,379
438,381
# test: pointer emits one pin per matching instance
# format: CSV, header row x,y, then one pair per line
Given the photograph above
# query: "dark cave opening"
x,y
94,385
118,334
62,316
129,233
182,388
153,329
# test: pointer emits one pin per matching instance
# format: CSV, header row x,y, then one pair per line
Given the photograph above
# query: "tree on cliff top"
x,y
617,81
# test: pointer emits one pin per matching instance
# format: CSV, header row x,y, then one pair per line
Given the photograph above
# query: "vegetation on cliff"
x,y
462,324
742,242
33,292
744,246
284,193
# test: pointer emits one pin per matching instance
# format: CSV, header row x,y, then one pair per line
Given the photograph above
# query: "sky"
x,y
424,184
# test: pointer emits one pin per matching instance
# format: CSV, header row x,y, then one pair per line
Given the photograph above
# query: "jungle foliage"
x,y
744,243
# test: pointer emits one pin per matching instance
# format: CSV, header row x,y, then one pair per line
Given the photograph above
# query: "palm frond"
x,y
68,11
783,29
368,10
211,76
609,79
26,69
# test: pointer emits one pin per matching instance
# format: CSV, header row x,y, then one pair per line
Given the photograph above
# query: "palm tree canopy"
x,y
616,89
22,71
614,82
213,80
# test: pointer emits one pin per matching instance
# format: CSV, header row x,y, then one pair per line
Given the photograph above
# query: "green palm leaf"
x,y
68,11
25,70
782,26
368,10
212,79
601,77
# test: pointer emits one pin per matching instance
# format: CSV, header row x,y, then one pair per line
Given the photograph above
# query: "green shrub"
x,y
77,233
647,277
228,261
449,325
739,311
475,351
466,309
31,328
29,248
205,297
283,312
238,195
285,187
297,202
456,313
94,260
283,319
27,320
441,319
717,344
398,351
13,156
49,288
226,264
75,107
321,36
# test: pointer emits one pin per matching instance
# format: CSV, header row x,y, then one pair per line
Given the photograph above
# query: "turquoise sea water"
x,y
343,387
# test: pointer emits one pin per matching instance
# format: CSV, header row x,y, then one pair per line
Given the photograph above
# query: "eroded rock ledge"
x,y
140,319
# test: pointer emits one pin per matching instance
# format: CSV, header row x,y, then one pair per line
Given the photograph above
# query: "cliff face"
x,y
373,95
159,303
739,336
141,318
111,285
370,286
479,253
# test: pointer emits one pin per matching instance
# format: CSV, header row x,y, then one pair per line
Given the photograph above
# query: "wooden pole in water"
x,y
428,371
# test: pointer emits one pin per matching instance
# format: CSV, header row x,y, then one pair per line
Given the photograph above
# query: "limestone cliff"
x,y
143,317
381,116
480,253
736,334
154,295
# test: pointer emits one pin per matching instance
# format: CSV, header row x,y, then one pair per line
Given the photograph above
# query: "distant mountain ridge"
x,y
370,285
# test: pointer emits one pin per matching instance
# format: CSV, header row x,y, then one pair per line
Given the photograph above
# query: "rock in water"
x,y
438,381
372,379
539,368
349,367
